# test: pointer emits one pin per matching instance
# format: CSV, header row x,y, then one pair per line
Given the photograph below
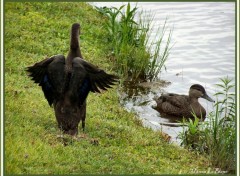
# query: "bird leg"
x,y
83,125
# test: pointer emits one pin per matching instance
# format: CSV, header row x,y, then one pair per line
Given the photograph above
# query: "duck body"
x,y
183,105
66,84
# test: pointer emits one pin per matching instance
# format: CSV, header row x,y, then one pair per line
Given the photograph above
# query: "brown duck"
x,y
183,105
67,82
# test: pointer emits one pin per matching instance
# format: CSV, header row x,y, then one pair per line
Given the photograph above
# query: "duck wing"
x,y
173,104
177,100
85,77
92,79
49,74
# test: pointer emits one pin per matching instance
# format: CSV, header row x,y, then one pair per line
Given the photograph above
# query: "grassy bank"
x,y
114,141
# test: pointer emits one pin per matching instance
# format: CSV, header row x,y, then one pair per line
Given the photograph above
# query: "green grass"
x,y
216,137
116,142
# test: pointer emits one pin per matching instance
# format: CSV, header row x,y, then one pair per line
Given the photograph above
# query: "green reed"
x,y
136,57
216,137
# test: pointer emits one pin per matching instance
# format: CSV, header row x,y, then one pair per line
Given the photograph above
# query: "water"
x,y
203,51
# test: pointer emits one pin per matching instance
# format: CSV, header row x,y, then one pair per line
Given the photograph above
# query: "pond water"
x,y
203,51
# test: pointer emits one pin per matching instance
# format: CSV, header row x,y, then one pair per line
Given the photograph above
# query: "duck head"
x,y
198,91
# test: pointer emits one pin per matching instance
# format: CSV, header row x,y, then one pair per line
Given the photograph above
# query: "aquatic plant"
x,y
216,137
136,56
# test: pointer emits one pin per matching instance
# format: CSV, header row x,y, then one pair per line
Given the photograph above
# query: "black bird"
x,y
67,82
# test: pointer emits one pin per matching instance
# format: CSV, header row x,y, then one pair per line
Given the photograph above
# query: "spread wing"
x,y
94,79
49,74
85,77
98,77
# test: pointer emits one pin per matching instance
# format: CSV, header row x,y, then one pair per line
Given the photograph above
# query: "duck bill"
x,y
205,96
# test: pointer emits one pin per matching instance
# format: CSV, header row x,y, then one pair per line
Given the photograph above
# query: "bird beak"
x,y
205,96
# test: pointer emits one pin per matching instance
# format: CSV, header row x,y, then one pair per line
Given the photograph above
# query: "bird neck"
x,y
74,43
74,46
